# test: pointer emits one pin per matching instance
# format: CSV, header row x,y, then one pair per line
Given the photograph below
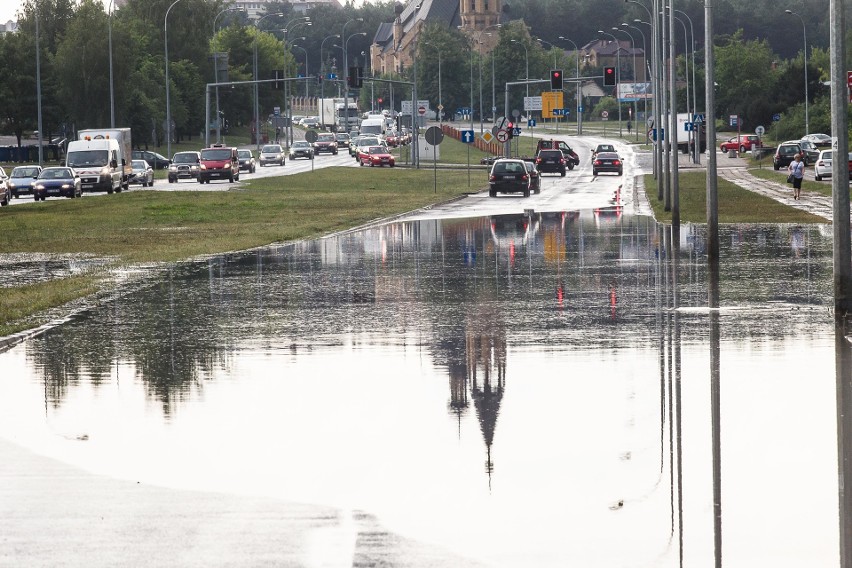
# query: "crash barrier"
x,y
494,148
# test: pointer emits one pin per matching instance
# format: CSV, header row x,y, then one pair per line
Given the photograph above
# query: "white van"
x,y
97,163
373,126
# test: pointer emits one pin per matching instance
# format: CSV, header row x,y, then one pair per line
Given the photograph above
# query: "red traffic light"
x,y
379,100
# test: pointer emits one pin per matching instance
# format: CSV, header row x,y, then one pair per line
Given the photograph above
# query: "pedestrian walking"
x,y
797,173
629,126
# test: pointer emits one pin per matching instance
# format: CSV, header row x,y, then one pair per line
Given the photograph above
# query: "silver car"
x,y
271,154
142,173
22,179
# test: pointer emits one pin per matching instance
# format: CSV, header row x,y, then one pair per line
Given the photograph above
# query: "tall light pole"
x,y
322,66
111,91
305,51
168,105
694,84
477,37
216,74
346,70
617,75
805,35
633,49
440,100
526,63
256,89
38,91
539,40
644,76
579,86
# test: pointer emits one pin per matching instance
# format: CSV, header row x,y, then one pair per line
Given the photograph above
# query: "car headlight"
x,y
227,166
105,171
172,168
202,167
39,186
66,185
11,185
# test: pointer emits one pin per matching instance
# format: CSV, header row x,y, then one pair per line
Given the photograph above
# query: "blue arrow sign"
x,y
531,122
558,111
331,76
516,131
776,117
566,111
688,126
662,134
580,109
467,136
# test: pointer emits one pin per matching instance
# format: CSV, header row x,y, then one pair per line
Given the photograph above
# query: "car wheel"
x,y
562,173
492,193
231,178
817,177
742,149
776,167
594,172
620,172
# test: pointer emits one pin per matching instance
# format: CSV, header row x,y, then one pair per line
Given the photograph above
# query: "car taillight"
x,y
524,177
562,161
616,163
538,160
492,178
597,162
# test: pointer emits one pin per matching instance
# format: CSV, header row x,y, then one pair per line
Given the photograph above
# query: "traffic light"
x,y
556,79
609,76
356,77
510,129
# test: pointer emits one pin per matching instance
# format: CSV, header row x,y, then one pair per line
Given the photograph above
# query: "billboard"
x,y
630,92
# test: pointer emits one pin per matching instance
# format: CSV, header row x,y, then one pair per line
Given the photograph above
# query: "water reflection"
x,y
21,269
563,365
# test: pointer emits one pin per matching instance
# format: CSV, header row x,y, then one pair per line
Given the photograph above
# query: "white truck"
x,y
686,138
102,159
333,114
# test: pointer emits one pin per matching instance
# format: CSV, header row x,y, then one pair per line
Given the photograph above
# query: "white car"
x,y
822,167
819,140
142,173
271,154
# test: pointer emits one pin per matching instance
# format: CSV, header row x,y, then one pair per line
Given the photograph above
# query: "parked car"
x,y
5,191
551,161
535,176
742,143
57,182
785,153
219,162
271,154
143,173
819,140
609,162
246,159
822,166
185,165
508,175
22,179
301,149
375,156
325,143
810,153
154,159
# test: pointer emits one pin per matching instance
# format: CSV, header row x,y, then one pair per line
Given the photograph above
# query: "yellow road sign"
x,y
551,100
488,137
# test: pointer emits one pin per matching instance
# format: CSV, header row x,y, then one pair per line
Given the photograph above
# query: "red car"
x,y
375,156
742,144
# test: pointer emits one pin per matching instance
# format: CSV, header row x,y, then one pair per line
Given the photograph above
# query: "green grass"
x,y
18,305
736,205
821,187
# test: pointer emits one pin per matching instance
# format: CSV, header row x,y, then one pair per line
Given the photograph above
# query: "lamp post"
x,y
644,76
633,49
346,69
368,59
322,64
538,39
288,99
305,51
617,75
440,99
805,35
215,73
111,91
579,88
168,105
526,63
694,85
256,90
38,93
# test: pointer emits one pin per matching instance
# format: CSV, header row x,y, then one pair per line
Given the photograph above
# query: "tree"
x,y
744,73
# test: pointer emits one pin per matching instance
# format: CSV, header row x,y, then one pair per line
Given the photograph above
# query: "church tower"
x,y
476,15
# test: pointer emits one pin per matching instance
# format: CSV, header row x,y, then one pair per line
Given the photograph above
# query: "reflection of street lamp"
x,y
168,107
527,63
617,75
805,34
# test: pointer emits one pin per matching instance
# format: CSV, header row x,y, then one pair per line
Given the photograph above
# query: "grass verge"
x,y
821,187
736,205
159,226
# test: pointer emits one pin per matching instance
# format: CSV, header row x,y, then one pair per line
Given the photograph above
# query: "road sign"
x,y
734,120
440,107
532,103
331,76
689,126
311,136
516,131
604,114
276,111
502,135
653,134
776,117
487,136
421,110
499,123
580,109
467,136
650,122
760,131
698,118
434,135
531,122
516,113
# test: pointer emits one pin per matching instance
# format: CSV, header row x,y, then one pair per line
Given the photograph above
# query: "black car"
x,y
784,154
246,160
509,175
154,159
609,162
551,162
57,182
535,177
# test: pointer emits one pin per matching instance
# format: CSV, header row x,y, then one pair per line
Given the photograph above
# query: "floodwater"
x,y
543,390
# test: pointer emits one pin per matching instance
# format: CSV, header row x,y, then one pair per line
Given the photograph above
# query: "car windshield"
x,y
24,172
271,149
185,159
368,141
244,154
216,154
300,145
607,156
606,148
325,138
140,165
509,168
56,173
550,154
377,150
88,158
788,150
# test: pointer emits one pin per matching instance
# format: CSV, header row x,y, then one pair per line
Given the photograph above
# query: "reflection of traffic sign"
x,y
502,135
467,136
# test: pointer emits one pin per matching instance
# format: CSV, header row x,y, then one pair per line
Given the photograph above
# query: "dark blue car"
x,y
57,182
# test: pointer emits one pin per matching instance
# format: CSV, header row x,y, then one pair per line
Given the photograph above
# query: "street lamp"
x,y
322,64
527,63
805,35
617,75
579,86
306,63
216,73
644,76
538,39
38,91
694,84
440,100
633,49
346,69
111,92
256,89
168,106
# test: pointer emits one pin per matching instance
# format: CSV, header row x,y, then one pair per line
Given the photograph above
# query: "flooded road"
x,y
515,390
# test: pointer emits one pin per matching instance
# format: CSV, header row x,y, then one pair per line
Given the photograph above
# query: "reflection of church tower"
x,y
458,389
486,350
479,14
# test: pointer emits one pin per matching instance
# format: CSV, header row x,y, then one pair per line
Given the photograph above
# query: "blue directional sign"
x,y
566,111
654,134
467,136
300,76
776,117
689,126
580,109
516,131
531,122
562,111
331,76
462,110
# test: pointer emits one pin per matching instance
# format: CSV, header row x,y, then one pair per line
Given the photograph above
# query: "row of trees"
x,y
73,38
